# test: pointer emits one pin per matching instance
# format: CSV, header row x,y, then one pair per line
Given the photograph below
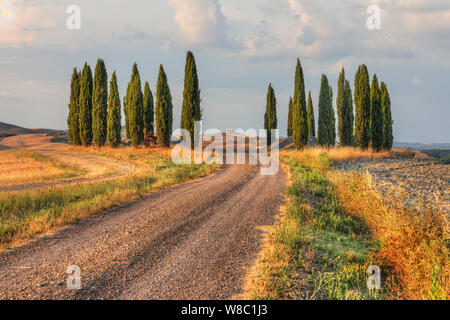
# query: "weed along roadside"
x,y
336,239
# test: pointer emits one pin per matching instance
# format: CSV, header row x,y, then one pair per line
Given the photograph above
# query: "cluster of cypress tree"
x,y
372,126
92,115
373,112
270,117
344,106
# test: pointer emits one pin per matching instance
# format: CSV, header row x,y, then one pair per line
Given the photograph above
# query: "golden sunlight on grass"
x,y
26,167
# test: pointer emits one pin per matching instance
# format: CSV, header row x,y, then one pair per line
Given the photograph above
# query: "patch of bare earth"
x,y
415,179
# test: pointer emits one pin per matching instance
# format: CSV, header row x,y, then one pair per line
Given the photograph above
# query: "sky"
x,y
240,47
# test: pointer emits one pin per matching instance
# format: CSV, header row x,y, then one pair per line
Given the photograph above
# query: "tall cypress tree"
x,y
323,132
332,126
191,110
72,120
340,108
135,108
310,117
100,103
346,117
388,138
376,116
362,106
114,125
148,110
300,123
85,115
163,109
270,116
291,107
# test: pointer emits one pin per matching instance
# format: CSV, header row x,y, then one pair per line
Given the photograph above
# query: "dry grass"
x,y
29,167
24,214
411,248
414,246
310,156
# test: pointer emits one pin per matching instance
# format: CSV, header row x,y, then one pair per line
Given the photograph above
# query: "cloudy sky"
x,y
240,47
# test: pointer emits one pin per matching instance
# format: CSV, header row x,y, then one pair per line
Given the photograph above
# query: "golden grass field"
x,y
49,185
335,224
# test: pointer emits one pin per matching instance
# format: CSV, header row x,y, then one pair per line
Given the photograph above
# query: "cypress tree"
x,y
85,115
163,109
114,125
362,106
376,116
388,137
347,116
72,120
127,126
323,132
332,125
291,107
148,110
191,110
100,103
270,117
340,108
300,123
135,108
310,117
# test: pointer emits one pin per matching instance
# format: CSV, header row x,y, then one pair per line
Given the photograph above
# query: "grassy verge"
x,y
334,226
27,213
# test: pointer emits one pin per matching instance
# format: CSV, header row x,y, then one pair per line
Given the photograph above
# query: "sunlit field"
x,y
132,173
28,167
335,224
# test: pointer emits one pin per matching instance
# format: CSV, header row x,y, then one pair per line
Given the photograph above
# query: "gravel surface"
x,y
420,179
191,241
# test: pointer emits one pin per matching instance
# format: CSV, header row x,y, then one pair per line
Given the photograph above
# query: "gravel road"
x,y
191,241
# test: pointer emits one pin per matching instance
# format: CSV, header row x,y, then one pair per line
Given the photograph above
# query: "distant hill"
x,y
7,129
422,146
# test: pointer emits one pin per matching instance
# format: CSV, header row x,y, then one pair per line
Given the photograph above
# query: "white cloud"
x,y
200,21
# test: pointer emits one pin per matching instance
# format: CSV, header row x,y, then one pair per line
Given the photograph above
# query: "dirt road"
x,y
191,241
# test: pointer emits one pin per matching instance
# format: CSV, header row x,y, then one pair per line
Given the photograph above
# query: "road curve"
x,y
191,241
